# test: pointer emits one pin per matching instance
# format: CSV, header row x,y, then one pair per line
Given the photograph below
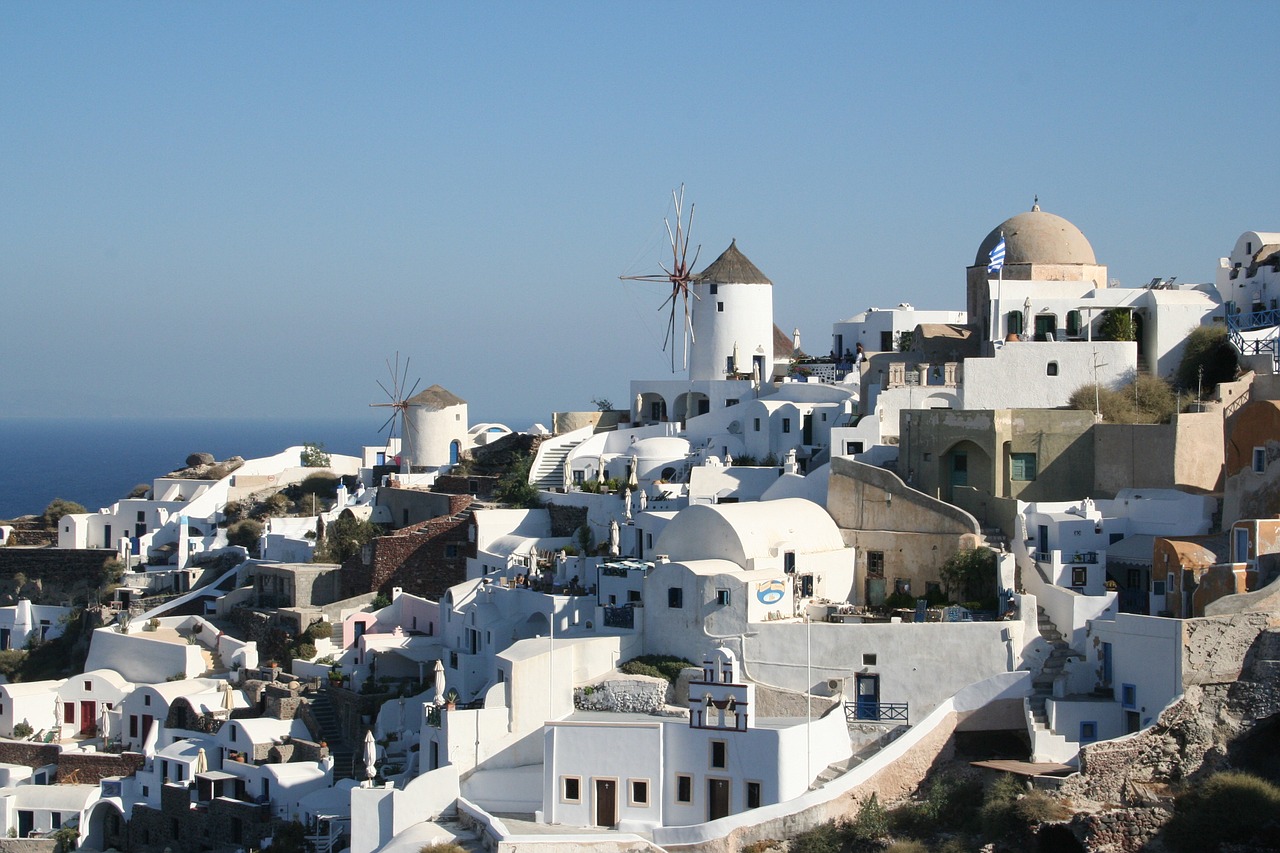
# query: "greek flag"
x,y
997,257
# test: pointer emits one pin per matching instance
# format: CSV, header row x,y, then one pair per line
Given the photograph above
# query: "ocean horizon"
x,y
97,461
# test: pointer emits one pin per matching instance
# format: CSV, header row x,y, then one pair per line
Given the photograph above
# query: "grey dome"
x,y
1037,237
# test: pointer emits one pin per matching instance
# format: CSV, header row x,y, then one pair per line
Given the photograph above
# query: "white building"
x,y
435,428
885,329
722,760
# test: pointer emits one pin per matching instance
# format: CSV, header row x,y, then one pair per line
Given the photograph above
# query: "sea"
x,y
97,461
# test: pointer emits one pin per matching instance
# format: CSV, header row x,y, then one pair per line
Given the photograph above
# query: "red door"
x,y
88,717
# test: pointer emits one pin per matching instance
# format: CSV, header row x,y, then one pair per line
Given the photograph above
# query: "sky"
x,y
244,210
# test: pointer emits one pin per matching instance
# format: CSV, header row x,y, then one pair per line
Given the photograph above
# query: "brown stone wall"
x,y
222,822
417,559
89,768
1120,830
477,485
28,753
565,520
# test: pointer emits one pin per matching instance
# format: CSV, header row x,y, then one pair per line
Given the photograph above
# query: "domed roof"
x,y
1037,237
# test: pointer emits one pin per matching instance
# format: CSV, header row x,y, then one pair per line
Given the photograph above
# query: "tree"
x,y
1117,325
56,509
1207,349
970,574
344,538
514,488
1226,807
603,404
313,455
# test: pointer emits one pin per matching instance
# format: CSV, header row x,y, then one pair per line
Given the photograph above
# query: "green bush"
x,y
344,538
1010,809
635,668
246,533
318,630
305,651
1117,325
1207,347
380,601
827,838
313,455
1229,807
950,802
871,823
23,730
970,573
658,666
900,601
322,484
56,509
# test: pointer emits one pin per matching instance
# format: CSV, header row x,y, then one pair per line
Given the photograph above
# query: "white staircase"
x,y
547,470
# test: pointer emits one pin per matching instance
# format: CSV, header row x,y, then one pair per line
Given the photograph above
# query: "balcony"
x,y
868,711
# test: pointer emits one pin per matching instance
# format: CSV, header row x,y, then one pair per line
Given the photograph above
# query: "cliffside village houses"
x,y
483,692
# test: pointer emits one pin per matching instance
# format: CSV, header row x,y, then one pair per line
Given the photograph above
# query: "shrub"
x,y
1227,807
1143,400
321,484
1117,325
380,601
1208,348
246,533
313,455
827,838
56,509
139,491
909,846
306,651
872,821
442,847
23,730
317,630
900,601
514,488
343,539
658,666
970,573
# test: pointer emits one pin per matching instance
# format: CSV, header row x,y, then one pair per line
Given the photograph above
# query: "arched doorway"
x,y
104,827
455,449
965,465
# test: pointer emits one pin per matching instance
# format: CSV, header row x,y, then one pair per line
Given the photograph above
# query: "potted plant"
x,y
451,699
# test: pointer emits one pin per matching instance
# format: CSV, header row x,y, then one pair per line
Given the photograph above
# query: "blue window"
x,y
1088,731
1129,696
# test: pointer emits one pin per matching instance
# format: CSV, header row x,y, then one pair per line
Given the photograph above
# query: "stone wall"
x,y
565,520
1230,669
1119,830
221,822
89,768
28,753
626,694
424,559
58,570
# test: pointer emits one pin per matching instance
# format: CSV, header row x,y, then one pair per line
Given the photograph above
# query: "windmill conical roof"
x,y
732,267
435,398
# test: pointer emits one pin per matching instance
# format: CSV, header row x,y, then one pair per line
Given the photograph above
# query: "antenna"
x,y
398,402
679,275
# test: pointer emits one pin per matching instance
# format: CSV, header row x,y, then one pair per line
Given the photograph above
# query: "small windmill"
x,y
398,402
678,276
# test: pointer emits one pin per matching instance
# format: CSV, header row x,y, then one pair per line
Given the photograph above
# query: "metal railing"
x,y
865,711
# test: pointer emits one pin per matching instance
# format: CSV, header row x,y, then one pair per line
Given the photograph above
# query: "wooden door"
x,y
717,798
606,802
88,717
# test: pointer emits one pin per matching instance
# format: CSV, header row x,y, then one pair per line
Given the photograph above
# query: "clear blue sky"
x,y
243,209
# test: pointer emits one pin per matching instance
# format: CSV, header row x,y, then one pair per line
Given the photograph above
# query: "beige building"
x,y
900,536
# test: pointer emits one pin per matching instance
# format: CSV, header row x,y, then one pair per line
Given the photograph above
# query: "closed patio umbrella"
x,y
370,758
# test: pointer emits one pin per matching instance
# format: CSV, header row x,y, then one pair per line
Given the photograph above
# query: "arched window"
x,y
1014,322
1074,324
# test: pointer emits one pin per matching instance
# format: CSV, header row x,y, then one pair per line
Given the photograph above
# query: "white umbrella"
x,y
104,730
639,407
228,697
644,500
57,712
202,762
566,473
439,673
728,460
736,368
370,758
633,479
626,503
613,538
